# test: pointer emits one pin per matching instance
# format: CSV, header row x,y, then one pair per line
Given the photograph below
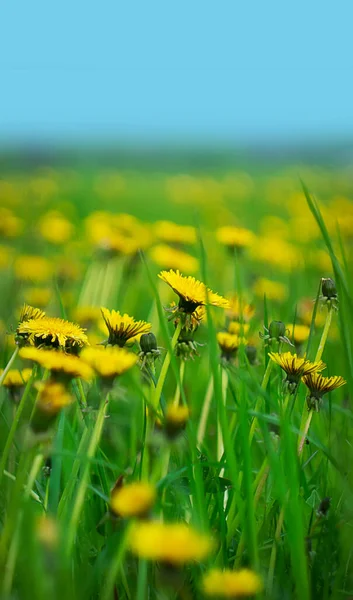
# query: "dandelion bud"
x,y
148,342
251,352
277,329
328,287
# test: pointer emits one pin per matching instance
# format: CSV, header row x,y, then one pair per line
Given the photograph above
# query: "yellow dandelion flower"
x,y
231,584
170,232
294,366
133,500
47,531
229,343
299,333
109,362
318,386
16,378
273,290
235,237
278,253
168,257
52,332
29,312
52,398
59,363
176,416
122,328
192,293
55,228
10,225
172,543
33,268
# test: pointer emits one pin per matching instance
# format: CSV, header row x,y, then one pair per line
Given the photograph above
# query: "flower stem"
x,y
178,388
13,427
82,488
324,334
205,411
165,367
115,564
264,384
8,366
318,356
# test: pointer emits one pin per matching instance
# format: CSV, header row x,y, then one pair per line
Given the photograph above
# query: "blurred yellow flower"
x,y
277,252
55,228
5,256
300,334
33,268
109,362
58,362
15,378
170,232
172,543
239,310
235,237
39,296
168,257
133,499
273,290
231,584
30,312
238,328
10,225
47,531
53,396
229,343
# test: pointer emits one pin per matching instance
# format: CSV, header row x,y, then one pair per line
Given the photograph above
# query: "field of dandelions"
x,y
176,384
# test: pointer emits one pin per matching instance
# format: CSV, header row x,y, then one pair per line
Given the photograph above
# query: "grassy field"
x,y
189,463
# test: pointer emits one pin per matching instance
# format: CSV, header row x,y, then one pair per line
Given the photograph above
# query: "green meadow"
x,y
193,439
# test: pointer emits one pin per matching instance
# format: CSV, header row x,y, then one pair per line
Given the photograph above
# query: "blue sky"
x,y
224,71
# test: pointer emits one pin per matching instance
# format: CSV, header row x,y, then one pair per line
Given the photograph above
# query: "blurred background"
x,y
199,114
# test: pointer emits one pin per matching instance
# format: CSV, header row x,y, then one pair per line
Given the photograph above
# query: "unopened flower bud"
x,y
148,342
328,287
250,352
277,329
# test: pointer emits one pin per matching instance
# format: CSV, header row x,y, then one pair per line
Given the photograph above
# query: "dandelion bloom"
x,y
176,417
58,363
29,312
238,328
171,258
109,362
52,398
235,237
231,584
174,233
192,293
52,332
15,378
133,500
298,333
318,386
122,328
55,228
171,543
294,366
33,268
273,290
229,343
